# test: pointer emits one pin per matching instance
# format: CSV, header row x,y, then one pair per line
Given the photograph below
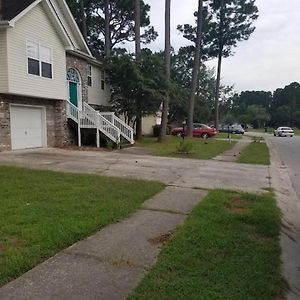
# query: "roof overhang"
x,y
58,24
76,31
24,12
5,24
83,55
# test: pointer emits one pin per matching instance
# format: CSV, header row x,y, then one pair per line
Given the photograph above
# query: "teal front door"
x,y
73,93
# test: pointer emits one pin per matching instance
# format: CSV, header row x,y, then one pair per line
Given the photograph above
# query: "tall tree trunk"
x,y
83,20
195,69
107,29
137,29
165,108
218,82
220,56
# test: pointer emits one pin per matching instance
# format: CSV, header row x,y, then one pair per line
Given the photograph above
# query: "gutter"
x,y
5,24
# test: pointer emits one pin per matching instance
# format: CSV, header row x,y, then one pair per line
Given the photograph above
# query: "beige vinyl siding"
x,y
66,25
96,95
35,27
148,123
3,62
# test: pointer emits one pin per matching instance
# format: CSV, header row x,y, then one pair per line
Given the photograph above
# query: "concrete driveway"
x,y
109,264
204,174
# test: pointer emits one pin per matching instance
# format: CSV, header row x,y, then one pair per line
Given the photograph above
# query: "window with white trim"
x,y
39,60
89,75
102,80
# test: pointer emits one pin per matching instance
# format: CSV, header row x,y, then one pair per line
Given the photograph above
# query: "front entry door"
x,y
73,93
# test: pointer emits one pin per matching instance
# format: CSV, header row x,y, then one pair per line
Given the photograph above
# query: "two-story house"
x,y
49,80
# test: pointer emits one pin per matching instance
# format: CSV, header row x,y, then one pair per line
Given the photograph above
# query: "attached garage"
x,y
28,127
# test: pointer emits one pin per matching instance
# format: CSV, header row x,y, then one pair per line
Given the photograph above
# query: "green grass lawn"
x,y
228,249
255,153
200,148
42,212
224,135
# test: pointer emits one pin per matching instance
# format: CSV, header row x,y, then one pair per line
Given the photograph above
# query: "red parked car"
x,y
200,130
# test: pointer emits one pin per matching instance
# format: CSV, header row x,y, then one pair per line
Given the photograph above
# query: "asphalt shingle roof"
x,y
11,8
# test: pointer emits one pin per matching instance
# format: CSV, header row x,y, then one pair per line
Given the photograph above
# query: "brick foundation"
x,y
58,131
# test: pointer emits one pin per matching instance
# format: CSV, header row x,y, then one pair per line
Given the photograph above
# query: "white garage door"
x,y
27,130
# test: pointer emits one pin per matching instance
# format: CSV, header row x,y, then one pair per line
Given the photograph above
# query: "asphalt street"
x,y
289,151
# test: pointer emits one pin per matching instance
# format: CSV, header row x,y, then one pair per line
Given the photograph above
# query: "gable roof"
x,y
11,8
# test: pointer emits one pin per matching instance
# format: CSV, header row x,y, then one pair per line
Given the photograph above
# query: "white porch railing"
x,y
125,130
89,118
104,125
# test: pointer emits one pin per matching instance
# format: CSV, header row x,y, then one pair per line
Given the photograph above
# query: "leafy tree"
x,y
234,19
247,98
107,28
137,88
226,23
297,118
281,115
255,115
290,97
181,75
190,33
121,22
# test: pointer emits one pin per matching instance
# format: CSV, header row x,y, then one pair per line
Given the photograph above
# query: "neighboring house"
x,y
49,80
149,122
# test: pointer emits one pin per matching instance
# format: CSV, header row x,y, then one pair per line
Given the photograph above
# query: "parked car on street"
x,y
284,131
234,129
200,130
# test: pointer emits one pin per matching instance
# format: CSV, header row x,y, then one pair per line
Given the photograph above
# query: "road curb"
x,y
289,204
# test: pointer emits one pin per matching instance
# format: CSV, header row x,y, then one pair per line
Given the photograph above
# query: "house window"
x,y
102,80
33,59
39,60
89,75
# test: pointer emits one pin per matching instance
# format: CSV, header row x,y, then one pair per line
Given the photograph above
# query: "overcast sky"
x,y
269,59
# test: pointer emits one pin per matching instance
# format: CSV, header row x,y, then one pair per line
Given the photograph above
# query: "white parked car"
x,y
284,131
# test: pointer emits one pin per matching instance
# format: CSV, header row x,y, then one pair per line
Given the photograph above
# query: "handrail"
x,y
104,125
72,111
125,129
89,118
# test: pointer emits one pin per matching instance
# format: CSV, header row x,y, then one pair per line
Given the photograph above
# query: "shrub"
x,y
156,130
185,147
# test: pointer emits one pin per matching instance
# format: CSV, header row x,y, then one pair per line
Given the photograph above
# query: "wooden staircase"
x,y
106,123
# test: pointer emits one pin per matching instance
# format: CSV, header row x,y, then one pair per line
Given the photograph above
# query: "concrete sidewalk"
x,y
109,264
233,154
193,173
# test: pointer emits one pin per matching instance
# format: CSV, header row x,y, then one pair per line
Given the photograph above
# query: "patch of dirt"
x,y
13,241
2,248
162,239
258,238
237,205
121,263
